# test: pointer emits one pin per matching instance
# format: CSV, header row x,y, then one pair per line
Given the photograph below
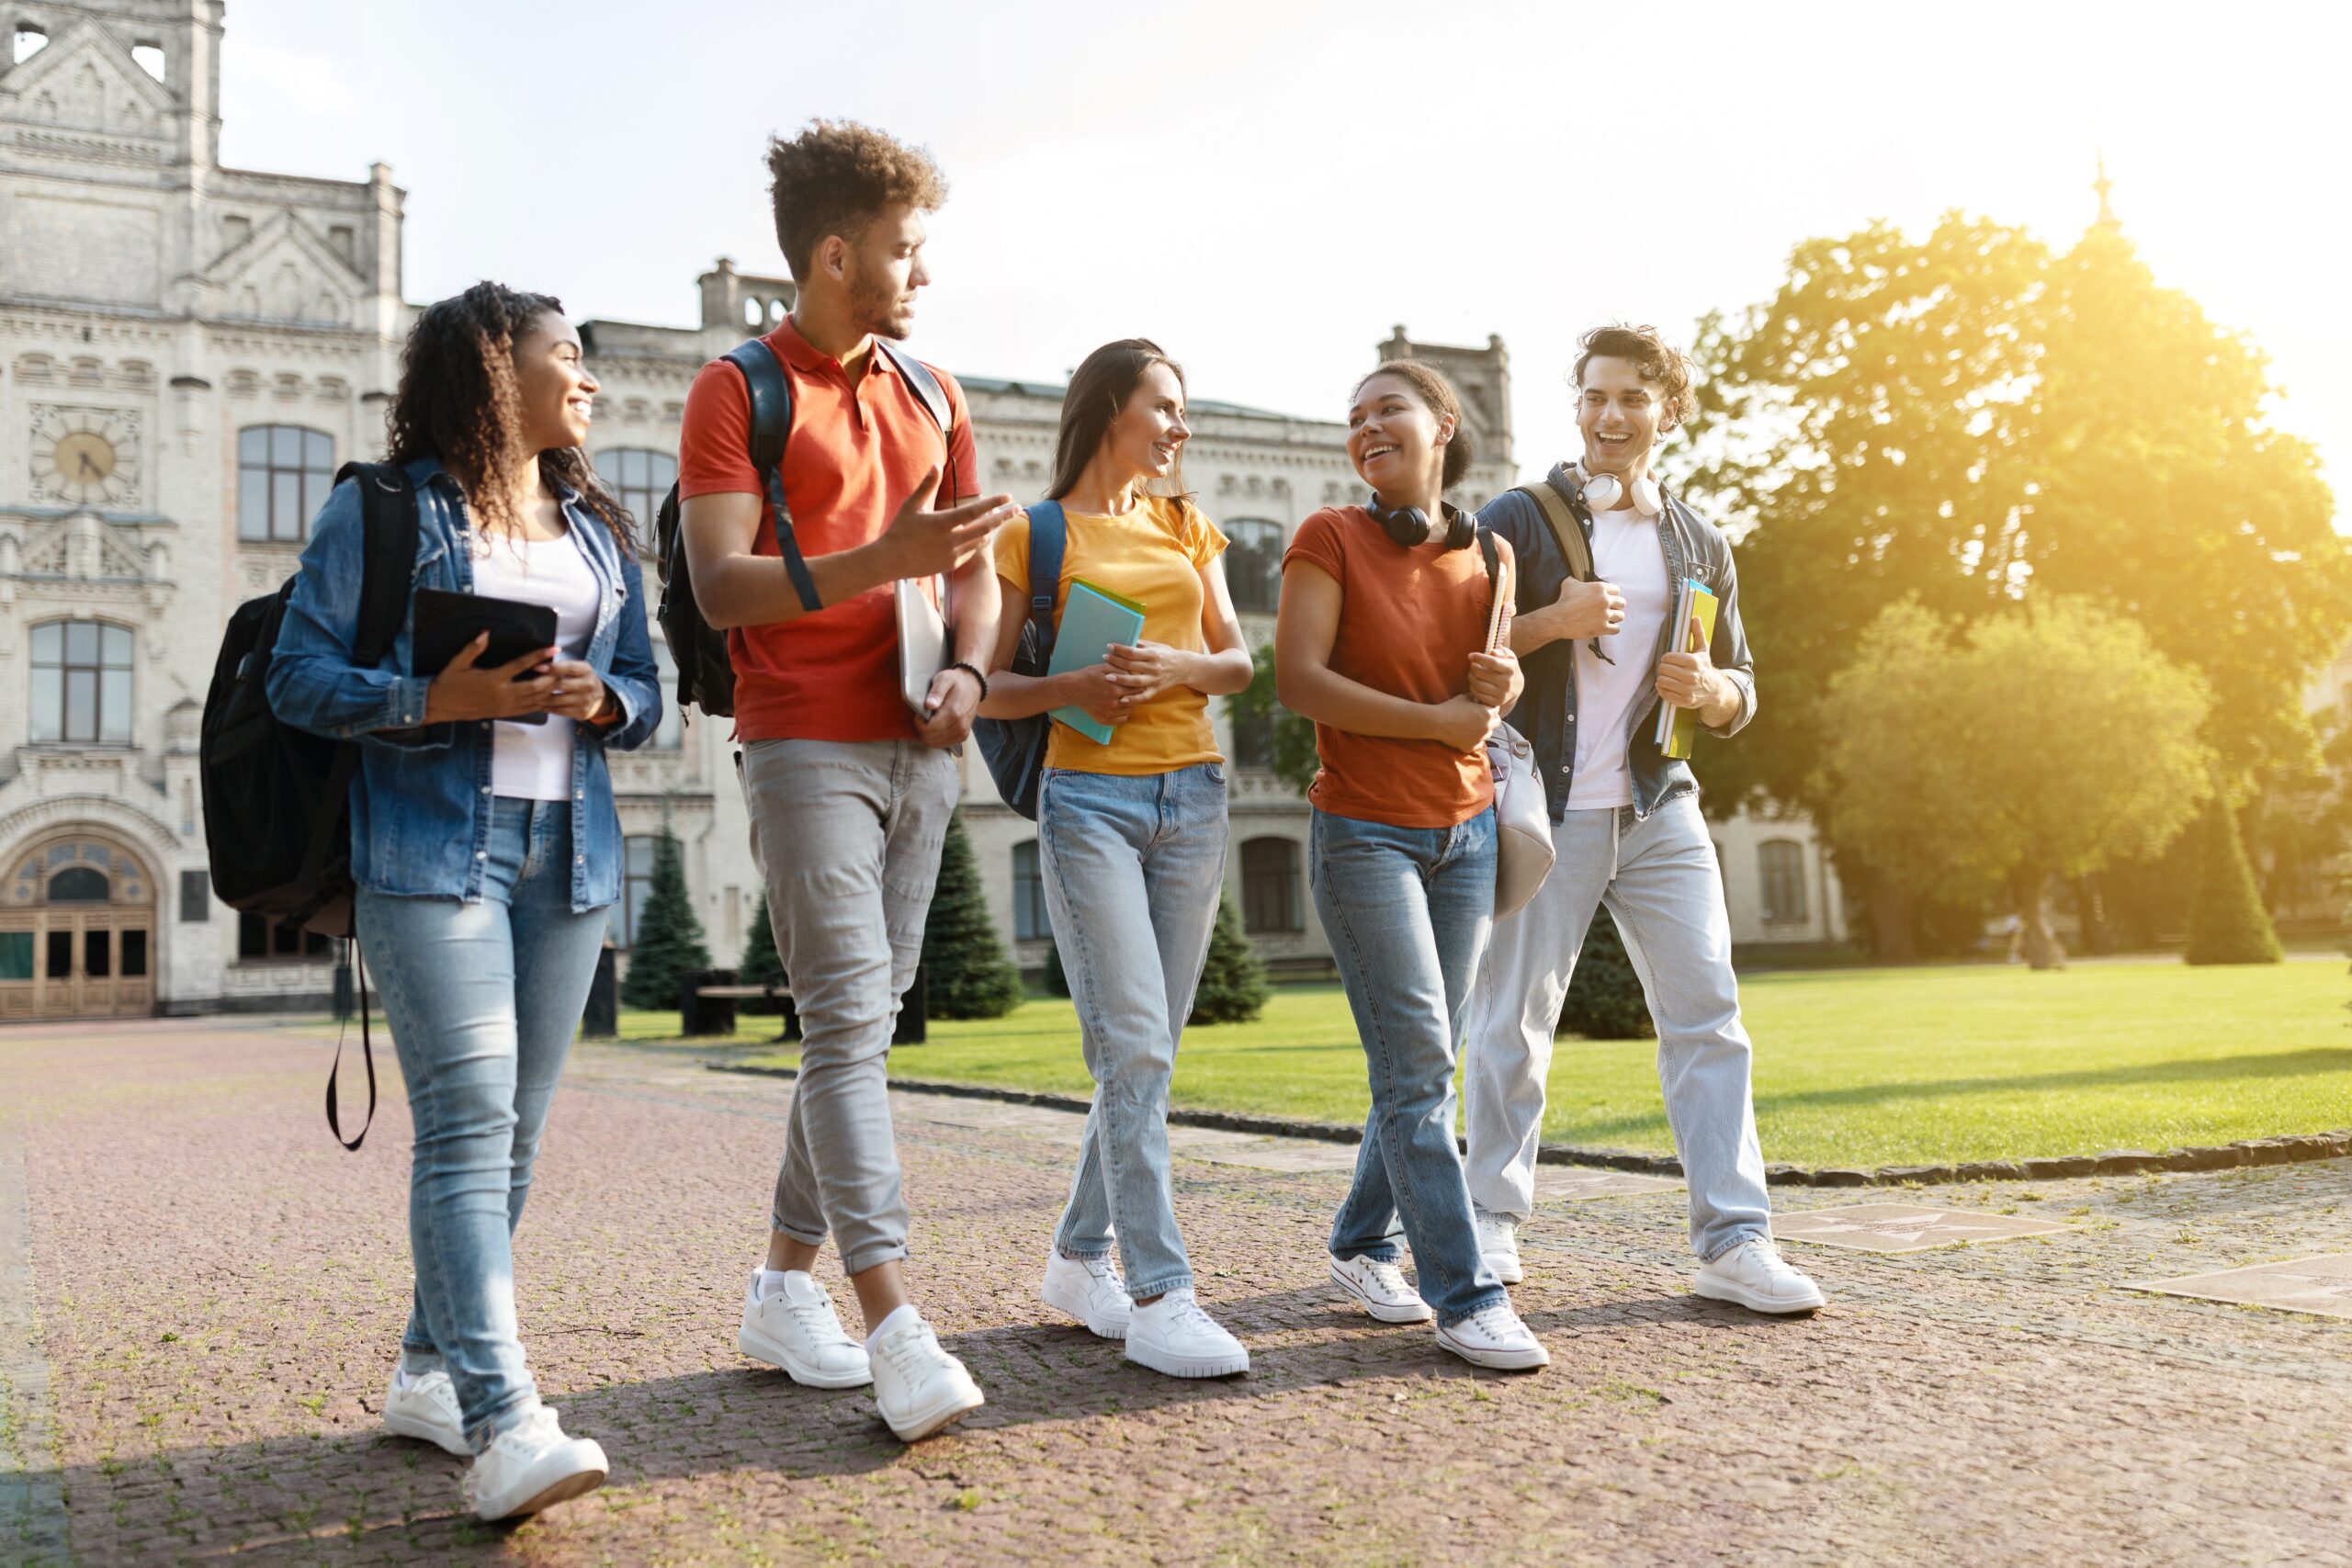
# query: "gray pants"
x,y
848,835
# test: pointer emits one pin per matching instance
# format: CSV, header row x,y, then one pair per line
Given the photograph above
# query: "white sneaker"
x,y
1172,1334
1090,1290
795,1329
921,1388
1493,1336
1752,1275
425,1406
1380,1289
1499,1245
532,1465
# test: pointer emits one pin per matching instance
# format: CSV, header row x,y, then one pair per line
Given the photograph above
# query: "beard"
x,y
879,308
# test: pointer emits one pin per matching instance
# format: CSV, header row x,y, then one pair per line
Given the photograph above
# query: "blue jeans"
x,y
483,999
1408,911
1134,868
1657,874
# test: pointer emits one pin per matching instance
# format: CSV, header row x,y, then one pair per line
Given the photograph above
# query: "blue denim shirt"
x,y
421,801
1546,713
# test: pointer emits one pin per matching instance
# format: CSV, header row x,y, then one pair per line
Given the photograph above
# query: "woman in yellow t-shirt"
x,y
1131,834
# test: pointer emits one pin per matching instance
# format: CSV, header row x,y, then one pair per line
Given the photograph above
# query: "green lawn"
x,y
1867,1066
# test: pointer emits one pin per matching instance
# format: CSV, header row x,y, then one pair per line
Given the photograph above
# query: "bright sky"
x,y
1267,188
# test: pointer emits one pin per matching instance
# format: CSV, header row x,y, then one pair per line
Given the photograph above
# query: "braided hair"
x,y
459,400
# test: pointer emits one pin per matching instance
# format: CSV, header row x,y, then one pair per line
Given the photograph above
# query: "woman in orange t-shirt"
x,y
1383,615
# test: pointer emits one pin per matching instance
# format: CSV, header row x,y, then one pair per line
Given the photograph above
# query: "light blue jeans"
x,y
1659,879
483,999
1408,911
1133,867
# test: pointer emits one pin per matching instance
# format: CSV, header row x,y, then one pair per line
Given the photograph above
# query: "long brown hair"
x,y
1100,387
459,400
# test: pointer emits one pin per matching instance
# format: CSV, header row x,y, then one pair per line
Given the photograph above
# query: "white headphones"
x,y
1603,491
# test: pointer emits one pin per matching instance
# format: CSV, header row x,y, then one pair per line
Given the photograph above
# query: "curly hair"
x,y
1436,395
836,176
459,400
1100,388
1656,360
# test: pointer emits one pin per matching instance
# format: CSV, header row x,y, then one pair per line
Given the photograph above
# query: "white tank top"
x,y
533,761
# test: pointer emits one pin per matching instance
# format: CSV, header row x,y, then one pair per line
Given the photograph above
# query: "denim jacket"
x,y
421,801
1546,713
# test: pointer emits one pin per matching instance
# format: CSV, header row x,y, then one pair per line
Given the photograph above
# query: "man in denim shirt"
x,y
1627,827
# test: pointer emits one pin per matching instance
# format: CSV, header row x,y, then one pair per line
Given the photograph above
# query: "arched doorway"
x,y
77,929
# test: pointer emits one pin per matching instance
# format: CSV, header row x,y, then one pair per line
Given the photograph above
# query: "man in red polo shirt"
x,y
849,789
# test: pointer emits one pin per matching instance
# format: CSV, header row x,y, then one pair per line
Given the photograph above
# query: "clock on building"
x,y
85,457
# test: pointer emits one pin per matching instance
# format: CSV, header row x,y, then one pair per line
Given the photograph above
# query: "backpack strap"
x,y
1049,532
388,554
933,398
771,393
1568,529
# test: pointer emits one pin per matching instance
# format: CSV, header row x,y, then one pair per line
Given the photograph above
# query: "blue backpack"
x,y
1014,749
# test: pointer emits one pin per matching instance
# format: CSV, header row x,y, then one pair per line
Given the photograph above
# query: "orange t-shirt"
x,y
1409,620
854,456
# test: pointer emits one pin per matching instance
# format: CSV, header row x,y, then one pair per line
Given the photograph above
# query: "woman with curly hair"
x,y
483,837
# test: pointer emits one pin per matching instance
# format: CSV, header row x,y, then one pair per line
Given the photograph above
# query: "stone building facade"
x,y
189,351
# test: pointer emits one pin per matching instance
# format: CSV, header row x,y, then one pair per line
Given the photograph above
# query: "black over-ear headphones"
x,y
1410,525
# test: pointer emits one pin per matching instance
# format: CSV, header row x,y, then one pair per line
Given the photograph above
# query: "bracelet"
x,y
976,675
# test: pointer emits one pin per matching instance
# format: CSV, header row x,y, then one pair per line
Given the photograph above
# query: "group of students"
x,y
487,849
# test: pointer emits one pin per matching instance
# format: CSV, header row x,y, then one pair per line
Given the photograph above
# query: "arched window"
x,y
1271,900
1253,563
636,882
1029,919
640,477
1782,863
80,885
81,683
283,475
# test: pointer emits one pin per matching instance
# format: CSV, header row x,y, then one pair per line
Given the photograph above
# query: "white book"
x,y
922,639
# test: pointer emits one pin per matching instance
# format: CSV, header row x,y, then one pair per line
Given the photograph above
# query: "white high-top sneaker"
x,y
425,1406
795,1329
532,1465
921,1388
1090,1290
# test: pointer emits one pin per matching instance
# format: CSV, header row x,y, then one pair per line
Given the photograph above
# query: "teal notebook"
x,y
1092,619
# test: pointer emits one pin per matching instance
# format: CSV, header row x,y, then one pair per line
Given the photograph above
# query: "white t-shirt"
x,y
533,761
1625,551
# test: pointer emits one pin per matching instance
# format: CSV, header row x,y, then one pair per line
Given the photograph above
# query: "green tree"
x,y
1293,757
760,964
1974,421
965,967
2227,923
1233,986
667,945
2007,750
1605,1000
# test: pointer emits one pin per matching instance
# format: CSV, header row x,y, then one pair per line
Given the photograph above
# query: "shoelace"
x,y
817,1321
1497,1322
909,1347
1191,1316
1389,1275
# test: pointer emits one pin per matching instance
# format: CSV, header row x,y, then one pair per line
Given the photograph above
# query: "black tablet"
x,y
445,622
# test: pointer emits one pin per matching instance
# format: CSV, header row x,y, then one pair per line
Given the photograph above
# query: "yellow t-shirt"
x,y
1153,556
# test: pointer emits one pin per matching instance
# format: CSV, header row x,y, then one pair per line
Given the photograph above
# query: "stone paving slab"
x,y
2317,1285
1279,1154
1902,1227
1555,1185
218,1289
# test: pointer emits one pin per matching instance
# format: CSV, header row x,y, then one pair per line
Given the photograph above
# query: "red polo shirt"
x,y
857,451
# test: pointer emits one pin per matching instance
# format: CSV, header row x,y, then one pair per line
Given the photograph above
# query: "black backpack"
x,y
277,799
705,675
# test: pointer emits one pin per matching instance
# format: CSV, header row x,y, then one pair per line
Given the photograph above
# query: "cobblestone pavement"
x,y
218,1290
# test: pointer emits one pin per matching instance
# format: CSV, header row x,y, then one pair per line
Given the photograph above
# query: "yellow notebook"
x,y
1678,728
